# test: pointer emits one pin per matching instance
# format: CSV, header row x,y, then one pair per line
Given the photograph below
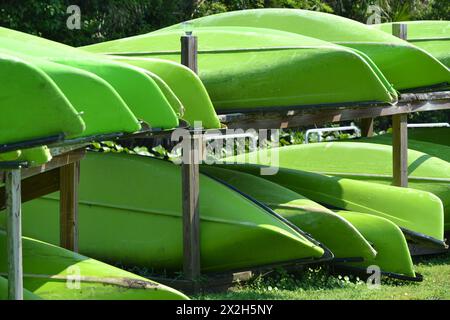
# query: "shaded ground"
x,y
318,284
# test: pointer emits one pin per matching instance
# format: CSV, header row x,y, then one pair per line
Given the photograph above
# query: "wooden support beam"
x,y
68,219
191,214
189,51
400,150
367,127
14,234
35,187
190,180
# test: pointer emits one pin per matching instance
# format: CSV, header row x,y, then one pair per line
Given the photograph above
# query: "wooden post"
x,y
400,150
190,180
189,49
68,219
400,130
367,127
400,30
14,234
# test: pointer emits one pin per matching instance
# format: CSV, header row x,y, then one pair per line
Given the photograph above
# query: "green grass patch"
x,y
319,284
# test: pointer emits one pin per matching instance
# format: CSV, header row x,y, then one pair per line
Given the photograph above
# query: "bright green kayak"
x,y
433,149
33,156
45,109
431,36
183,82
266,68
354,235
345,241
370,162
433,135
418,213
133,85
392,55
393,255
141,203
50,272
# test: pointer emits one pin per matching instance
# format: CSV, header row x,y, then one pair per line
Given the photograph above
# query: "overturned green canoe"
x,y
393,257
54,273
375,240
266,68
184,83
433,135
433,149
345,241
141,203
393,56
122,83
45,109
370,162
418,213
431,36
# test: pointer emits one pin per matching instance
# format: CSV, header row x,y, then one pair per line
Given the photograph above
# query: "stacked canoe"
x,y
326,203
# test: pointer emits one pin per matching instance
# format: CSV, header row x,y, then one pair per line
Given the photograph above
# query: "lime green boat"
x,y
184,82
433,149
431,36
393,257
392,55
433,135
44,103
113,81
374,240
141,203
266,68
419,214
53,273
372,163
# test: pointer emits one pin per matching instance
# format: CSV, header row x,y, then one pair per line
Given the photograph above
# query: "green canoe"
x,y
353,235
418,213
134,217
46,110
183,82
392,55
393,257
373,163
133,85
54,273
266,68
433,135
431,36
433,149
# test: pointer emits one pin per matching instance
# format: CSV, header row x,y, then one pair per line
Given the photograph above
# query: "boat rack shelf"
x,y
20,182
303,116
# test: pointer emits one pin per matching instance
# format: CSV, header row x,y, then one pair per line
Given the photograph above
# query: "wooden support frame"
x,y
190,175
400,130
69,177
14,233
367,127
400,150
61,173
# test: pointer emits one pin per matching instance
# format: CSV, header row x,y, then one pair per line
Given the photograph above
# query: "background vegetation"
x,y
104,20
111,19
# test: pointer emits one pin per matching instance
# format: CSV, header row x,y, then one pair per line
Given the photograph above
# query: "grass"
x,y
318,284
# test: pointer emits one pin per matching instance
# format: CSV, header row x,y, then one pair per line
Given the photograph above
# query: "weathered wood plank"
x,y
304,116
367,127
191,214
57,162
400,150
69,180
35,187
14,234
